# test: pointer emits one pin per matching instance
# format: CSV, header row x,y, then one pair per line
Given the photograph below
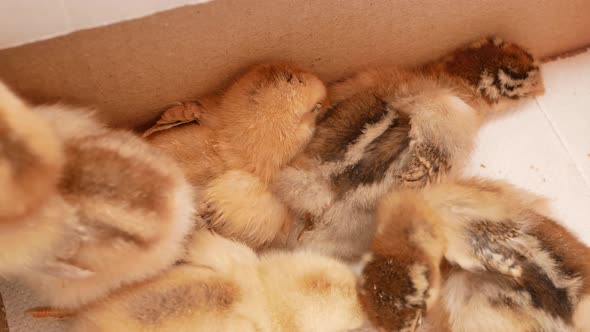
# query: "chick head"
x,y
498,70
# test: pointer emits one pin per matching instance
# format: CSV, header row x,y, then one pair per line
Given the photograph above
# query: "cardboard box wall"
x,y
130,69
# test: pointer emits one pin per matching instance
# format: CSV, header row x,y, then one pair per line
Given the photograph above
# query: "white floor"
x,y
544,146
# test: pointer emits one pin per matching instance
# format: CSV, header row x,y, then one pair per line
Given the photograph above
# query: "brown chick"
x,y
490,68
31,159
224,286
121,209
474,255
239,140
396,128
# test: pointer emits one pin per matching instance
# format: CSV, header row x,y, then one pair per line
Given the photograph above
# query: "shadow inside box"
x,y
3,321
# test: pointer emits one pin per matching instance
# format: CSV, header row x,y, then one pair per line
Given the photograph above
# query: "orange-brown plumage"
x,y
242,137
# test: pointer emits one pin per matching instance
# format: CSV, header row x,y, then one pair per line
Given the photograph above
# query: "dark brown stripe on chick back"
x,y
571,259
494,232
568,252
377,158
105,233
534,285
343,124
185,300
493,238
105,174
545,295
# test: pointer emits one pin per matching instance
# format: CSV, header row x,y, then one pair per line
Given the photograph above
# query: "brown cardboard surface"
x,y
131,69
3,321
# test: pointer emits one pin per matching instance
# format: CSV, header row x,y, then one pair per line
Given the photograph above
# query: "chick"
x,y
310,292
215,288
232,144
474,255
391,129
400,276
31,158
497,71
224,286
118,210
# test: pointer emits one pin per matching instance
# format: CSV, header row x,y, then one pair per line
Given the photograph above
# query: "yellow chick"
x,y
224,286
393,128
215,288
237,141
119,210
474,255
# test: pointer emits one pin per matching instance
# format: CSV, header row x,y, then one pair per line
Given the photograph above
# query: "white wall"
x,y
25,21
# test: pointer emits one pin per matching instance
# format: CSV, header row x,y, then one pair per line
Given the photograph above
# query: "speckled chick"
x,y
119,209
232,144
224,286
474,255
394,128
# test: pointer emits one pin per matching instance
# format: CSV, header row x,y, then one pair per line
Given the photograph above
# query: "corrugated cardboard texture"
x,y
132,68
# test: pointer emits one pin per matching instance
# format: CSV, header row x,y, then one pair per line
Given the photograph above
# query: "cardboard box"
x,y
130,69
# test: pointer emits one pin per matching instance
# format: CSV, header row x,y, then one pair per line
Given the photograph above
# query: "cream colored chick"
x,y
475,255
309,292
224,286
31,158
216,288
231,145
393,128
121,208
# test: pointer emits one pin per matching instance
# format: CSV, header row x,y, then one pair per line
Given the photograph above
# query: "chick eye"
x,y
316,108
514,74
